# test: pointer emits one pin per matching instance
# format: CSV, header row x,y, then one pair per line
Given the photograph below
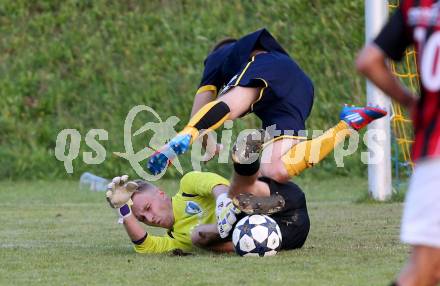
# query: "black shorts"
x,y
293,219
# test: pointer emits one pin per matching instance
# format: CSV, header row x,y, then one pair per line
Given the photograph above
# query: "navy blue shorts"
x,y
286,97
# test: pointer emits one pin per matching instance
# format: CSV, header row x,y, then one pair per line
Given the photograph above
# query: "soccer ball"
x,y
256,235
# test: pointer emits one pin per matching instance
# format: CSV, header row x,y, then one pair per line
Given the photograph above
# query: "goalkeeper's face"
x,y
153,207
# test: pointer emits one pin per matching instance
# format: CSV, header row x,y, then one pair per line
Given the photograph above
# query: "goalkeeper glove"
x,y
119,196
120,191
226,214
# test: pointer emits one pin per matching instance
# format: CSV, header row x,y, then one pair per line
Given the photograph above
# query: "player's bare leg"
x,y
231,105
271,164
305,154
423,268
287,158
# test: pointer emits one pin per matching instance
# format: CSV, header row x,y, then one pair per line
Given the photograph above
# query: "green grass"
x,y
84,64
53,234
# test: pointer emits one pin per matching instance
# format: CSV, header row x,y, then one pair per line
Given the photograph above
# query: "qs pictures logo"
x,y
69,140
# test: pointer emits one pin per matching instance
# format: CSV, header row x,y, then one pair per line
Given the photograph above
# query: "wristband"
x,y
124,211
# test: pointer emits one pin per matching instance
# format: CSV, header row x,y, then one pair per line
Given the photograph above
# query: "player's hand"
x,y
120,191
226,214
212,150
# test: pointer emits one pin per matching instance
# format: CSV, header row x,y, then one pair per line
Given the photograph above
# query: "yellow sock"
x,y
308,153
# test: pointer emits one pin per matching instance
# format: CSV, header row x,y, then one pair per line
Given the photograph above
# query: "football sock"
x,y
247,169
308,153
211,116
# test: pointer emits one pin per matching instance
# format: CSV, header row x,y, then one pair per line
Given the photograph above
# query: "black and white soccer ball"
x,y
256,235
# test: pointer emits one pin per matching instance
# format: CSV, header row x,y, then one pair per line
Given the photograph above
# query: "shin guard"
x,y
211,116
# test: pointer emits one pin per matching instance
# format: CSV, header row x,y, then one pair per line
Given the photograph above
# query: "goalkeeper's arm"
x,y
119,195
134,230
145,243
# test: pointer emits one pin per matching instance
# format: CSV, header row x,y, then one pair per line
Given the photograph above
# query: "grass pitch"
x,y
53,234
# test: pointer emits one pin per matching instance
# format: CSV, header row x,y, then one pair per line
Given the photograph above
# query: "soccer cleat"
x,y
250,204
251,144
162,158
359,117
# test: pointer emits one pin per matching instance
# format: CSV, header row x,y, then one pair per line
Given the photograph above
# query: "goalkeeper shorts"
x,y
421,214
293,219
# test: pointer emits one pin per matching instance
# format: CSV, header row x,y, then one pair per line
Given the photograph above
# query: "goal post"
x,y
379,175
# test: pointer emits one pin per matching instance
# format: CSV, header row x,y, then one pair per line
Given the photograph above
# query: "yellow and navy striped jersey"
x,y
194,204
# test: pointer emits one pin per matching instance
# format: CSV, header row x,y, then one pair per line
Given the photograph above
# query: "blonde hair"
x,y
144,186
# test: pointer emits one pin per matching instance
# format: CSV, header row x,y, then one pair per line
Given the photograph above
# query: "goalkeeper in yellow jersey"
x,y
193,205
190,215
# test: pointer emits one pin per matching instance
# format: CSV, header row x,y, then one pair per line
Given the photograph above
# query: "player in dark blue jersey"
x,y
255,74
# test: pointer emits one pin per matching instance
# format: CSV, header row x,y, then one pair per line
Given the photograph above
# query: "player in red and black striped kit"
x,y
416,22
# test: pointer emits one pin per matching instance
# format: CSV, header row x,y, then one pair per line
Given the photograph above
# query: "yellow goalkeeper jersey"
x,y
194,204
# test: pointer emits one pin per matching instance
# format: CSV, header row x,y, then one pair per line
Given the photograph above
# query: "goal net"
x,y
401,125
390,176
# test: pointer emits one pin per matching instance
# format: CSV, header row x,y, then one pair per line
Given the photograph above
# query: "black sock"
x,y
247,169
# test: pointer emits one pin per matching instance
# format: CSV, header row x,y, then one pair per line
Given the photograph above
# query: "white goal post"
x,y
379,175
